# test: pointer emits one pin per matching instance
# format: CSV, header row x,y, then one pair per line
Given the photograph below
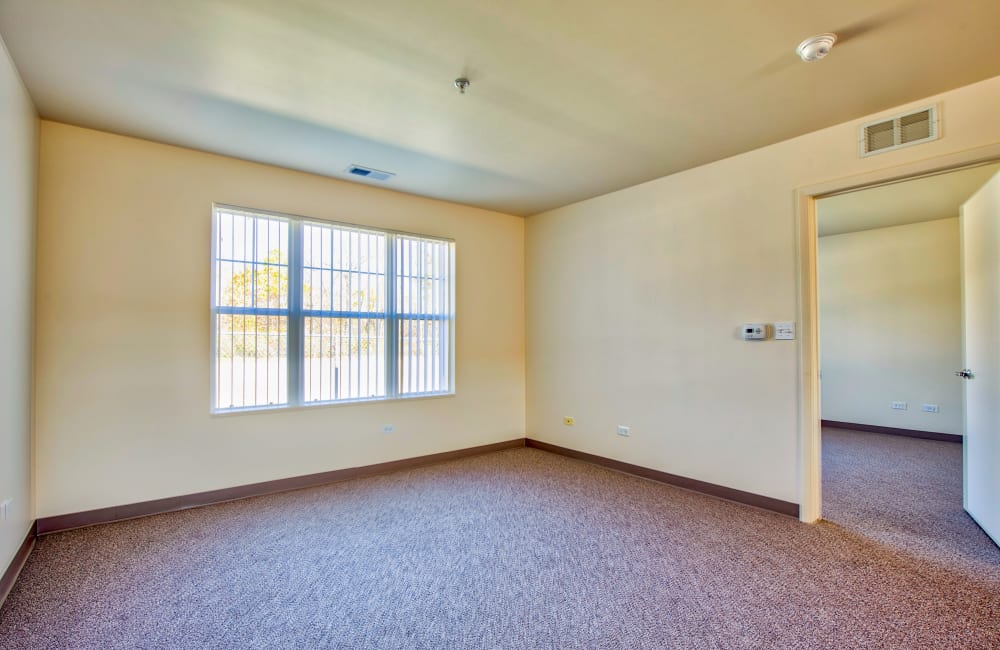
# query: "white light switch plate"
x,y
784,331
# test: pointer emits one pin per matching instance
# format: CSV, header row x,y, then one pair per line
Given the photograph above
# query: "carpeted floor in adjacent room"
x,y
516,549
906,494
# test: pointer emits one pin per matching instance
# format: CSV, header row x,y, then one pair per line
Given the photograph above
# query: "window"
x,y
309,312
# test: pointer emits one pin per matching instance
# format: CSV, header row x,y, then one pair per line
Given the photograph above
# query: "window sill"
x,y
325,405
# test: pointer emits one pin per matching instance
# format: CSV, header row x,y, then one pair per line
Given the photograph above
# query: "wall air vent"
x,y
368,172
898,132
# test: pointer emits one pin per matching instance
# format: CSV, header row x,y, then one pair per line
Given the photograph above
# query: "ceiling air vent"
x,y
368,172
900,131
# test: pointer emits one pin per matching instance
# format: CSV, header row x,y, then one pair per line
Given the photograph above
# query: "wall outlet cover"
x,y
930,408
624,430
784,331
898,406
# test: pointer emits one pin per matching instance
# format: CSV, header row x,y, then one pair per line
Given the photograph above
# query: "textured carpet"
x,y
516,549
904,493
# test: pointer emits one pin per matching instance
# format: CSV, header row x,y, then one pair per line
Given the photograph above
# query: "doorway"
x,y
810,495
889,287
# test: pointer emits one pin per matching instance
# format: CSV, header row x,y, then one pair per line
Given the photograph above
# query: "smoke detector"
x,y
815,48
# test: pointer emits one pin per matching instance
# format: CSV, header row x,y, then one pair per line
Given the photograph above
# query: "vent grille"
x,y
900,131
368,172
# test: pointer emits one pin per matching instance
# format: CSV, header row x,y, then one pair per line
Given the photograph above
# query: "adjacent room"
x,y
515,325
890,279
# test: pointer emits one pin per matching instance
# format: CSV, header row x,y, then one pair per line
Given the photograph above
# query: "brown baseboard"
x,y
730,494
58,523
892,431
9,576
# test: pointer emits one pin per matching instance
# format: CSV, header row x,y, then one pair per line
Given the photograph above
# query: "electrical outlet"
x,y
569,421
624,430
899,406
5,508
930,408
388,428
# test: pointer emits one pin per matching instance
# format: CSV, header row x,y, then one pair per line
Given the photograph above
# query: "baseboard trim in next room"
x,y
58,523
892,431
9,576
712,489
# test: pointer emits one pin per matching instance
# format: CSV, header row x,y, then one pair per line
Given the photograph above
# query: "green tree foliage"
x,y
264,285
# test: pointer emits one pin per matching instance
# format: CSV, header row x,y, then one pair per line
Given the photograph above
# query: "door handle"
x,y
965,373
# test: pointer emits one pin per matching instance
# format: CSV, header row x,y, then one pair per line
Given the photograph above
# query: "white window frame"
x,y
297,315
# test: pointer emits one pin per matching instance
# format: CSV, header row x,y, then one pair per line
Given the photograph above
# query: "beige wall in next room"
x,y
124,240
890,326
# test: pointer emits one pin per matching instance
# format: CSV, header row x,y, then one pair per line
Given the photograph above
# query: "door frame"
x,y
810,452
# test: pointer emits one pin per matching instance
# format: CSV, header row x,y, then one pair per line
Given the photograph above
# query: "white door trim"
x,y
810,497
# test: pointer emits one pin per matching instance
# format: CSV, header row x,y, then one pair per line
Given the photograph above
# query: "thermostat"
x,y
754,331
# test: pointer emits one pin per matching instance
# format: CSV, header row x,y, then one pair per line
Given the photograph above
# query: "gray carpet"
x,y
517,549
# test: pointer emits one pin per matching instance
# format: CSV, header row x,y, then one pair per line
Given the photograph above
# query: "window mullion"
x,y
391,320
450,312
215,289
296,322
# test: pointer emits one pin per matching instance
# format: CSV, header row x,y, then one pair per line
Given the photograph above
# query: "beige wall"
x,y
123,327
634,298
633,302
890,320
18,167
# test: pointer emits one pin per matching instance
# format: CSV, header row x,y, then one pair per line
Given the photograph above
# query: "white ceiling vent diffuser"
x,y
898,132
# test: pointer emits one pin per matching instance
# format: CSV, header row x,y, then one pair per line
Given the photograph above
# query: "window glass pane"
x,y
343,301
251,366
343,269
251,304
344,358
423,356
251,261
423,305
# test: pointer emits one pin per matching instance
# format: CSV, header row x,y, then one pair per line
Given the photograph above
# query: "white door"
x,y
980,223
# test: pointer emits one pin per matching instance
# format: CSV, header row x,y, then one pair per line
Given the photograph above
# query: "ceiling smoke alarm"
x,y
815,48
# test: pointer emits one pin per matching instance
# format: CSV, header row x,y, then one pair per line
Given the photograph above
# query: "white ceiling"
x,y
569,100
923,199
